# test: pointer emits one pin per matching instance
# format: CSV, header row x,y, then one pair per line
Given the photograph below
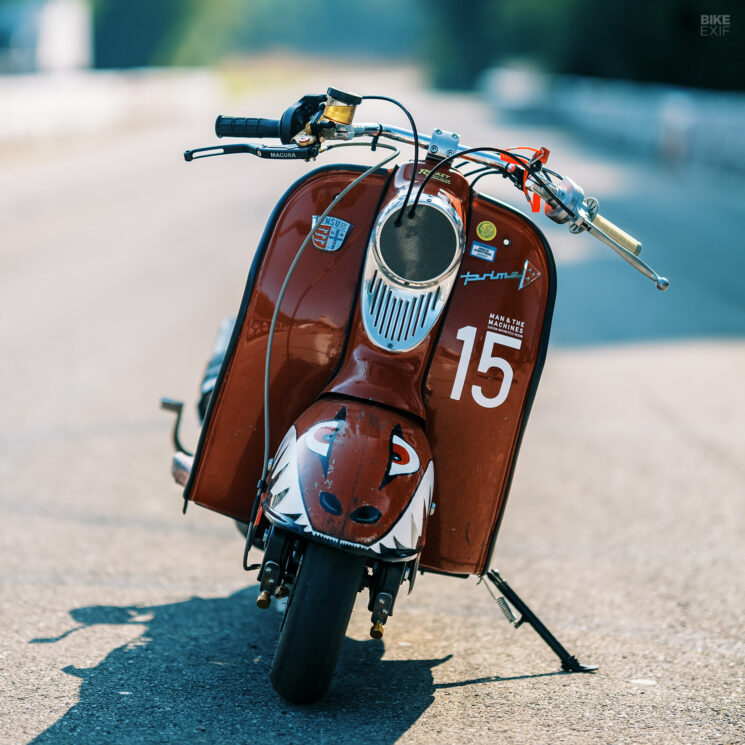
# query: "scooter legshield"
x,y
497,319
354,475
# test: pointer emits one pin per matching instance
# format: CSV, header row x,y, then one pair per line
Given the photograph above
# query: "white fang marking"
x,y
285,496
408,529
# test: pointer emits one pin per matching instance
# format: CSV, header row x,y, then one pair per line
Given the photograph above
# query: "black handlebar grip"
x,y
241,126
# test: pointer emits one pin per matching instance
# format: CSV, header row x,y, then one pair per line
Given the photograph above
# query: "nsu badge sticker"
x,y
330,234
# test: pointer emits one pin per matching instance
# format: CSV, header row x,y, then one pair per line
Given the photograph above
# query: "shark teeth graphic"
x,y
405,534
285,496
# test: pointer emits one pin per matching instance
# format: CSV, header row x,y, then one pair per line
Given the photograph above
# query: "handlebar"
x,y
241,126
585,217
565,202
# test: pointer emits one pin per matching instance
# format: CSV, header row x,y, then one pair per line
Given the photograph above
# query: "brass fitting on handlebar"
x,y
333,121
341,106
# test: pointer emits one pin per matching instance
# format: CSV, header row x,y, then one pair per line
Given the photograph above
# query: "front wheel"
x,y
321,604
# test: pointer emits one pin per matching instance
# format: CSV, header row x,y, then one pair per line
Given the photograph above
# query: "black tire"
x,y
315,623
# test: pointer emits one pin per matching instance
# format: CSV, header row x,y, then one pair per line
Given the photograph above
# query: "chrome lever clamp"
x,y
443,144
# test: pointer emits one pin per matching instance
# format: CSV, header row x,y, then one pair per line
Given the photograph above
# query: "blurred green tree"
x,y
459,41
133,33
657,41
137,33
631,39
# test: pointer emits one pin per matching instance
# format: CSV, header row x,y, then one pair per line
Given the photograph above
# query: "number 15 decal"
x,y
488,360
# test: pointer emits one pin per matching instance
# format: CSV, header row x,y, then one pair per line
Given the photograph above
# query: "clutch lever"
x,y
292,152
624,245
567,203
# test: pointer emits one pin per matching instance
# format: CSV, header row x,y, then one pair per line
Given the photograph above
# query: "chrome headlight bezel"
x,y
397,313
429,201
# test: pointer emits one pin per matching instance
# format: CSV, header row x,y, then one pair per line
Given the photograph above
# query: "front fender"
x,y
355,475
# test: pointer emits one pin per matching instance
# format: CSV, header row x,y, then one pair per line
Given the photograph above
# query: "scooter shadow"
x,y
199,673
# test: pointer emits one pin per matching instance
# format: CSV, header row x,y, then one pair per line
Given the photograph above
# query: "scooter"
x,y
377,379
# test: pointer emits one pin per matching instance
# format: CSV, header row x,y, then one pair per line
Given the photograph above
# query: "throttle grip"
x,y
618,235
241,126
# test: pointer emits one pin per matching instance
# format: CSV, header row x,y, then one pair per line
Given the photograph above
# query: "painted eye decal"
x,y
402,458
320,437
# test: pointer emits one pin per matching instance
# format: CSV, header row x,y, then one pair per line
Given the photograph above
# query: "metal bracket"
x,y
443,144
569,663
177,407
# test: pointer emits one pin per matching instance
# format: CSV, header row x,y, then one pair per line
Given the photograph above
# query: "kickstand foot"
x,y
569,663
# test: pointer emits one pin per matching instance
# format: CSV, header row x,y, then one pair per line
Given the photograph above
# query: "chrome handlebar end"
x,y
662,283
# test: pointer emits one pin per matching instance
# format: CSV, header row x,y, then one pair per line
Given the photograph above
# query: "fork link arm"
x,y
569,663
271,573
383,590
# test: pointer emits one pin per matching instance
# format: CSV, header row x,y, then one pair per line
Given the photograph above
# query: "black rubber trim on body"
x,y
248,292
427,570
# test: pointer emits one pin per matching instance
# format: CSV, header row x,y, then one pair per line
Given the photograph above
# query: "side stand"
x,y
569,663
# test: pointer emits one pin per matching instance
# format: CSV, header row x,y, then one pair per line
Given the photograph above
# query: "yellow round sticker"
x,y
486,230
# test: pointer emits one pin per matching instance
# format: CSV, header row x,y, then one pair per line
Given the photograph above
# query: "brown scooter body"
x,y
460,397
394,327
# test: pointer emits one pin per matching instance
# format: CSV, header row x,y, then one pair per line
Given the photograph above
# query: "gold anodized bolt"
x,y
281,592
376,632
263,600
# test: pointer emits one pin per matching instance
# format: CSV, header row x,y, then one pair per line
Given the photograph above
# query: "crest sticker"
x,y
330,234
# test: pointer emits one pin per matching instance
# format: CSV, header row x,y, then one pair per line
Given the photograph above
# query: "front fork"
x,y
282,557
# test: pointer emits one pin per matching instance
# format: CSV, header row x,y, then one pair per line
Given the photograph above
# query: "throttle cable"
x,y
416,149
528,165
275,315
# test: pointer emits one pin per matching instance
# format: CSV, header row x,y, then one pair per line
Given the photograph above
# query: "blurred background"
x,y
623,68
118,260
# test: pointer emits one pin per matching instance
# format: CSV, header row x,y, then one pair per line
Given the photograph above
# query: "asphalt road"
x,y
125,622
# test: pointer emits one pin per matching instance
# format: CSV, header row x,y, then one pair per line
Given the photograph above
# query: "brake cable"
x,y
416,148
270,339
489,171
529,165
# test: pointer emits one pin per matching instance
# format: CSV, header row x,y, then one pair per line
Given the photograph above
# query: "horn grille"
x,y
398,317
421,248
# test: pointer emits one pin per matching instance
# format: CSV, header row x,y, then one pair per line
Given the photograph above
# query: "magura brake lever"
x,y
291,152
